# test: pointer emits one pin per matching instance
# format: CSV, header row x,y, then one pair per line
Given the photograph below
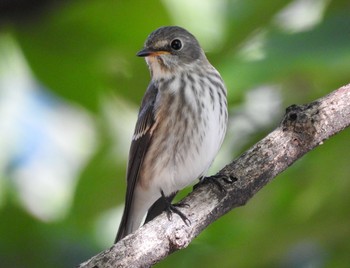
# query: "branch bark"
x,y
303,128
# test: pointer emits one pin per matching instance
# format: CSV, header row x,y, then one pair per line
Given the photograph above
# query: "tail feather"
x,y
131,220
133,215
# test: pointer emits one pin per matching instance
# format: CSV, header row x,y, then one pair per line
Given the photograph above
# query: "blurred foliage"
x,y
84,51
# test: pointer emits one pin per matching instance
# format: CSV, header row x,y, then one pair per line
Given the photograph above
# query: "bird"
x,y
180,128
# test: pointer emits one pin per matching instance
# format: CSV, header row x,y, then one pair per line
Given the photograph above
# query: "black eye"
x,y
176,44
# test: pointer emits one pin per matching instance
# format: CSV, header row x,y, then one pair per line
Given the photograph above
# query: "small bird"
x,y
180,127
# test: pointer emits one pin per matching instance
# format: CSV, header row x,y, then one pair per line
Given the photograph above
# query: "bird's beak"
x,y
146,52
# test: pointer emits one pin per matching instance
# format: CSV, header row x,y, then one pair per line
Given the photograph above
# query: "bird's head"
x,y
171,49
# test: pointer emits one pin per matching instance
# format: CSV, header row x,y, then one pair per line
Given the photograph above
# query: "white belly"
x,y
190,147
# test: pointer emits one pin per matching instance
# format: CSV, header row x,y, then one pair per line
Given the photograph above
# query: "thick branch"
x,y
303,128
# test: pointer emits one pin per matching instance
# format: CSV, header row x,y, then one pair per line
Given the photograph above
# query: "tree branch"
x,y
303,128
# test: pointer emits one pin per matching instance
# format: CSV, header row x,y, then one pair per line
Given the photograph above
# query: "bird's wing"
x,y
140,143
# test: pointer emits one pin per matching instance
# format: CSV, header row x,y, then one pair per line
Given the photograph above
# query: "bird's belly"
x,y
189,129
185,156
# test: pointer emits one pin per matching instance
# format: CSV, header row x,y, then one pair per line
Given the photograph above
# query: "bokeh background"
x,y
70,88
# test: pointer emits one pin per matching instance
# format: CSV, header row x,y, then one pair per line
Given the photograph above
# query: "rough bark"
x,y
303,128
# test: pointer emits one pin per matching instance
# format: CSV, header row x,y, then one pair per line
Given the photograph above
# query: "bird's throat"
x,y
158,68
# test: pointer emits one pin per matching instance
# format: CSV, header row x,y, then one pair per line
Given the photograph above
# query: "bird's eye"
x,y
176,44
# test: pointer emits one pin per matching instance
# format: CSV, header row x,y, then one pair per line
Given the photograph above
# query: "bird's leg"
x,y
215,179
173,208
159,206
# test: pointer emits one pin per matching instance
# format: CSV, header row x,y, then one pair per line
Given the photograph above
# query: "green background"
x,y
83,54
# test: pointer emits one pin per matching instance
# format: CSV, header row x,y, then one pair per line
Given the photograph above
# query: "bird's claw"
x,y
215,179
173,209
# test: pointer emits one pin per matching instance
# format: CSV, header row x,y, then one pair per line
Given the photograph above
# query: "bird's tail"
x,y
133,216
131,220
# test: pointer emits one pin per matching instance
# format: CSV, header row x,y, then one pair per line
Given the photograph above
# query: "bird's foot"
x,y
215,180
173,208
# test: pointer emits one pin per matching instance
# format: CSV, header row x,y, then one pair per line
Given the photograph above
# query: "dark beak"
x,y
148,52
144,53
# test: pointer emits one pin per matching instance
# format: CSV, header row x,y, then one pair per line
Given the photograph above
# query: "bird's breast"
x,y
189,129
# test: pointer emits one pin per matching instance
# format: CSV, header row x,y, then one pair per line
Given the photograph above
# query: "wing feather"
x,y
141,140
